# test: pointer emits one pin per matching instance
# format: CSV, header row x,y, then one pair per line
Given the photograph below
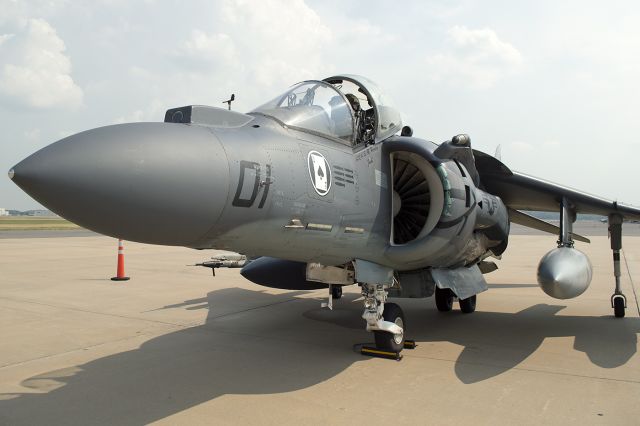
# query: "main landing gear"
x,y
445,297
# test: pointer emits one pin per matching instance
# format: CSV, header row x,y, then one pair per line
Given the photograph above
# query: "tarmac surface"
x,y
175,346
46,233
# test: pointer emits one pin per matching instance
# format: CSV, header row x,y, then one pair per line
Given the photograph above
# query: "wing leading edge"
x,y
523,192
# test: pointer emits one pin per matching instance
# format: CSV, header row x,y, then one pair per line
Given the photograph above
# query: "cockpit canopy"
x,y
348,108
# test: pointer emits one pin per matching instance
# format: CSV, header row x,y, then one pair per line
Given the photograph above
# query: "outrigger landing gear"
x,y
385,320
618,300
335,292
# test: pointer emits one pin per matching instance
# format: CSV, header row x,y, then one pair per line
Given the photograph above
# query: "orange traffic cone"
x,y
120,274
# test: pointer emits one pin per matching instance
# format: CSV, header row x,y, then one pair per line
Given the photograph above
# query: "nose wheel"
x,y
389,341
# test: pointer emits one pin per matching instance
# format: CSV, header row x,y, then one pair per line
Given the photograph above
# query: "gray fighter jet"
x,y
323,187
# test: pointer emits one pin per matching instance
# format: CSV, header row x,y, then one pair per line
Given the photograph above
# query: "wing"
x,y
516,216
523,192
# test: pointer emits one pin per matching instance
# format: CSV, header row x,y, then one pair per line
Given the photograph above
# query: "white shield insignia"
x,y
320,172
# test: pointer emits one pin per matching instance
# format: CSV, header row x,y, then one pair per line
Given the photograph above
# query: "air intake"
x,y
411,200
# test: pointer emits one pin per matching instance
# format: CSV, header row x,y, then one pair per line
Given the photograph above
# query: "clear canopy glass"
x,y
387,119
313,106
349,108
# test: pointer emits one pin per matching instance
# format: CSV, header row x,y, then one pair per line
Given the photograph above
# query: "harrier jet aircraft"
x,y
323,187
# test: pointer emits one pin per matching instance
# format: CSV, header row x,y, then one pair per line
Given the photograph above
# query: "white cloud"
x,y
475,58
210,47
354,31
152,112
35,70
16,11
5,37
254,49
281,41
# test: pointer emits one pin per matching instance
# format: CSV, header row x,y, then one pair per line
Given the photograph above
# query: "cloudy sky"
x,y
556,84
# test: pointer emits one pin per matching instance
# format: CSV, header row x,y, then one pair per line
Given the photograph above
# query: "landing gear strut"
x,y
385,320
335,292
618,300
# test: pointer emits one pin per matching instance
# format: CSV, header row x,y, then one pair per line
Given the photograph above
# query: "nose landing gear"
x,y
386,320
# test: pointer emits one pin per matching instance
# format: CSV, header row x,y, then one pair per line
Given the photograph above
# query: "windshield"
x,y
313,106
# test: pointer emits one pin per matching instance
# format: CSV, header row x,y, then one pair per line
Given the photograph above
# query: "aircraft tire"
x,y
618,307
444,299
468,305
336,291
387,341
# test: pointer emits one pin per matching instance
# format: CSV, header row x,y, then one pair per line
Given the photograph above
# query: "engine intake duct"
x,y
417,191
420,193
410,199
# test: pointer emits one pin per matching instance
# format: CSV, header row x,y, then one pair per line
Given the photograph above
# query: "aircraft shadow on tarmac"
x,y
496,342
260,349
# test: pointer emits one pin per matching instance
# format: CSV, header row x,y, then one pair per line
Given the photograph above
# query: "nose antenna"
x,y
231,99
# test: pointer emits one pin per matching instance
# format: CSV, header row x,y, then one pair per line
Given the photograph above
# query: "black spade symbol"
x,y
320,173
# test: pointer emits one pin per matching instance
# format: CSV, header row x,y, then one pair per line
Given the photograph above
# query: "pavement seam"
x,y
633,287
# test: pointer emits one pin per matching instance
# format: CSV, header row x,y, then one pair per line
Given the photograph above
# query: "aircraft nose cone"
x,y
157,183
